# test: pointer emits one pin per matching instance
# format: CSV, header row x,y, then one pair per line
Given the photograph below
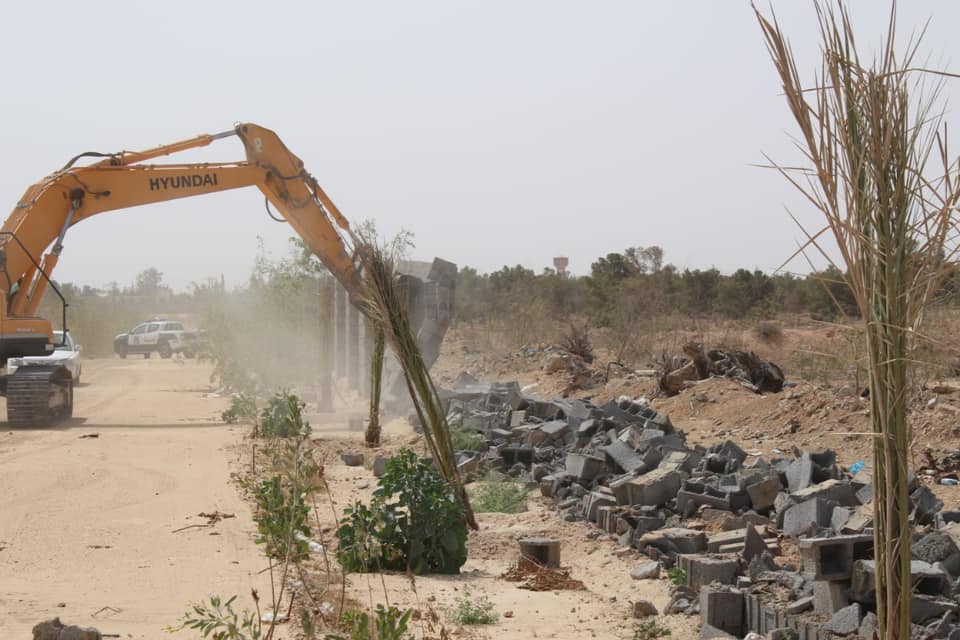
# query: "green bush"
x,y
677,576
414,522
386,624
283,417
649,629
496,493
242,407
370,538
473,610
281,515
218,620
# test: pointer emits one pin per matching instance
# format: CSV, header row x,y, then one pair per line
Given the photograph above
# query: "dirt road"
x,y
87,524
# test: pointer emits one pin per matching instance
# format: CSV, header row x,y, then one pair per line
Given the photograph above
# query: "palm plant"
x,y
385,304
869,135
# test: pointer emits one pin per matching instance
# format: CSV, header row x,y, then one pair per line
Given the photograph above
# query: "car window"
x,y
140,329
173,326
151,328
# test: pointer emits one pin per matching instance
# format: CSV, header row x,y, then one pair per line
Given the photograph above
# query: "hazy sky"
x,y
497,132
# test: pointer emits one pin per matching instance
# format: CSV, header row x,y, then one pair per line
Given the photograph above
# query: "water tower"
x,y
560,264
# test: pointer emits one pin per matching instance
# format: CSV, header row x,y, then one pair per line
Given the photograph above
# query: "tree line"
x,y
637,282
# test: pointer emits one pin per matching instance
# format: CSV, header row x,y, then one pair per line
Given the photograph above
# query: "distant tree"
x,y
645,259
148,282
829,294
746,293
612,268
509,277
699,291
472,295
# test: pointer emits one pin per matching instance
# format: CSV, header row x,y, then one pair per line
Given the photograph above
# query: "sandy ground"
x,y
87,524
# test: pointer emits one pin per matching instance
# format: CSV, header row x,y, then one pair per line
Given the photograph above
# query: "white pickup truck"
x,y
65,353
166,337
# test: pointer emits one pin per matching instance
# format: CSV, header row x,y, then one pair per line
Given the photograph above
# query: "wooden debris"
x,y
680,372
535,577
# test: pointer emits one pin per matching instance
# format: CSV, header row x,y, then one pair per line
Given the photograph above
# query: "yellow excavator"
x,y
41,393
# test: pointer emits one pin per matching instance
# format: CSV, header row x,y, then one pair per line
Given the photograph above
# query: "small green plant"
x,y
308,625
677,576
470,610
282,519
370,538
496,493
415,522
283,417
242,407
386,624
649,629
219,621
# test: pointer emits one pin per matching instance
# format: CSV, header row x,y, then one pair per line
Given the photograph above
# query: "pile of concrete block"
x,y
625,468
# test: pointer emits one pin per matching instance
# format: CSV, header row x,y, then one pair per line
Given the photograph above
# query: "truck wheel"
x,y
122,352
165,350
189,354
146,355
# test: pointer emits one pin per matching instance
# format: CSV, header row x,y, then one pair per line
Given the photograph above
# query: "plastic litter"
x,y
857,466
267,617
313,545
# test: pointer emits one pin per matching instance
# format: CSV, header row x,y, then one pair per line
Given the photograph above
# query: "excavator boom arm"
x,y
122,180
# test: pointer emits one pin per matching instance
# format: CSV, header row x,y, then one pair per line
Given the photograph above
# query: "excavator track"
x,y
39,395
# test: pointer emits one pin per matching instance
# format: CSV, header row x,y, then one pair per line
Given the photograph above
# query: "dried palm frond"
x,y
385,304
868,134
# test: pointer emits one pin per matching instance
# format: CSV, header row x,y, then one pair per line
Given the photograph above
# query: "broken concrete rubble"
x,y
629,470
704,569
646,571
845,621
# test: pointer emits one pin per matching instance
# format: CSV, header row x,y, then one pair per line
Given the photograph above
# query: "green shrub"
x,y
414,522
495,493
386,624
677,576
370,538
473,610
242,407
283,417
649,629
281,516
219,621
